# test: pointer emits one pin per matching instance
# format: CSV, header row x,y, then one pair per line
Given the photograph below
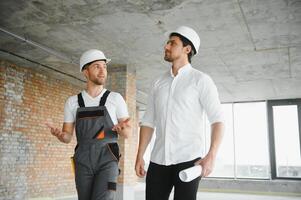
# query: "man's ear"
x,y
188,49
85,72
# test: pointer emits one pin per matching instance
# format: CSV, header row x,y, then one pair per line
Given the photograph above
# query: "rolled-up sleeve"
x,y
149,115
210,100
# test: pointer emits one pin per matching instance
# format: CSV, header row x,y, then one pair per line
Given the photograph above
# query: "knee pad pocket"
x,y
112,186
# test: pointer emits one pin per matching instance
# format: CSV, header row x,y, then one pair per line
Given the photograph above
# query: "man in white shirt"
x,y
175,108
98,117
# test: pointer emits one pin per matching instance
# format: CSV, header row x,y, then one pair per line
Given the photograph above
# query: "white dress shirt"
x,y
175,108
115,105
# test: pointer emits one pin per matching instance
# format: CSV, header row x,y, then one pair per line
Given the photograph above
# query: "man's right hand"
x,y
139,167
65,134
55,131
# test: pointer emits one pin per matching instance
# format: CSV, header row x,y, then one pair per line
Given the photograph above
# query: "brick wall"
x,y
33,162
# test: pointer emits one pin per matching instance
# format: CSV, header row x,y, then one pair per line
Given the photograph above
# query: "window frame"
x,y
270,118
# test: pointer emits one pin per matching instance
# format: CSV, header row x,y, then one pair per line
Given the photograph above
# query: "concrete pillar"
x,y
122,79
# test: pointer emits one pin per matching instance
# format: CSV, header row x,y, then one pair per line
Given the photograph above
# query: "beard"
x,y
167,57
98,81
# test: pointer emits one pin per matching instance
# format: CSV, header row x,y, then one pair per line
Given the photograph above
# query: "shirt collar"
x,y
93,98
182,70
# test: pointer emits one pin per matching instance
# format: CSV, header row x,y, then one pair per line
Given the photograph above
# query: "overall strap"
x,y
104,98
80,100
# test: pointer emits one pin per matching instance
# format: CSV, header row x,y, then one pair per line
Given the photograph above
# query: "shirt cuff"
x,y
125,116
147,124
222,120
68,121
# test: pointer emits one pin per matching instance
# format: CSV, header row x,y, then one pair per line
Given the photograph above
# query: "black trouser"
x,y
160,180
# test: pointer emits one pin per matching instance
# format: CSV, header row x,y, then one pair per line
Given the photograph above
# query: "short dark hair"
x,y
185,42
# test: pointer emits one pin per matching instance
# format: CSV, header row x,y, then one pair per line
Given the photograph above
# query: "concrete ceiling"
x,y
251,48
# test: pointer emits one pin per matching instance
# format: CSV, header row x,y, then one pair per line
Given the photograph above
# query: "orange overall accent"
x,y
101,135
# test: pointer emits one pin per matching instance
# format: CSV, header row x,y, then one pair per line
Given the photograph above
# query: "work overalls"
x,y
97,153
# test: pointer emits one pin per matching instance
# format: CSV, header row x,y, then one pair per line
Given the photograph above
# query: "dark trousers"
x,y
160,180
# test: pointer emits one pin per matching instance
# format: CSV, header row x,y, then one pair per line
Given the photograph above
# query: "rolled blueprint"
x,y
191,173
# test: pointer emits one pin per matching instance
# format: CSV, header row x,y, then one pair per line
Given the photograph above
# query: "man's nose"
x,y
166,47
100,71
101,68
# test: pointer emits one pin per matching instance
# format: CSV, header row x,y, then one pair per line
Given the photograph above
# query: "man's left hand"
x,y
207,164
122,125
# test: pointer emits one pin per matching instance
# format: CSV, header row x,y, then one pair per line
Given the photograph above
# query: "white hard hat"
x,y
190,34
90,56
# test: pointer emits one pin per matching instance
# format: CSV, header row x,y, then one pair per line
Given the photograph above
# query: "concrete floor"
x,y
229,196
139,195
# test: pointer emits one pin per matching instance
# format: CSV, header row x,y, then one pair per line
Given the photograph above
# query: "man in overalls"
x,y
98,117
